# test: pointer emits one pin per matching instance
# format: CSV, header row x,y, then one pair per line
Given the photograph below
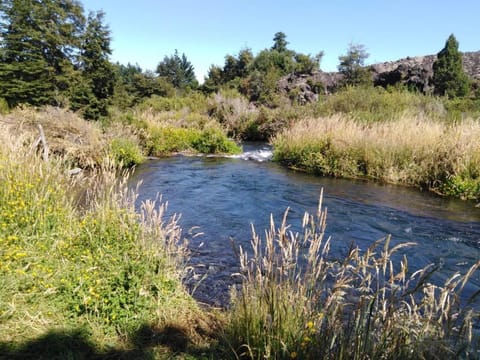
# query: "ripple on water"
x,y
225,196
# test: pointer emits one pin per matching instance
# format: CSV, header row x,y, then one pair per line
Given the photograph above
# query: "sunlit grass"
x,y
74,253
296,302
412,150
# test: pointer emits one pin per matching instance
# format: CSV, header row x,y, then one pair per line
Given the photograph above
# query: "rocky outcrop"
x,y
305,88
414,72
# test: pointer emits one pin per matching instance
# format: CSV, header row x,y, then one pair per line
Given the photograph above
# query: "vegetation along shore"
x,y
86,274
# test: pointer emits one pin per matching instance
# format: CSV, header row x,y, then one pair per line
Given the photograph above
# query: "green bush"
x,y
3,106
163,141
166,140
126,152
214,141
193,102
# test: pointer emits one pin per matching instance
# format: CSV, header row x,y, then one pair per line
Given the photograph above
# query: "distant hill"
x,y
415,72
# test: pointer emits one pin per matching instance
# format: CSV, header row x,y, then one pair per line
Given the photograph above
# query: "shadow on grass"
x,y
146,343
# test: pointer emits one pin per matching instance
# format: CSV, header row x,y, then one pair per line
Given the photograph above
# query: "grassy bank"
x,y
411,150
81,273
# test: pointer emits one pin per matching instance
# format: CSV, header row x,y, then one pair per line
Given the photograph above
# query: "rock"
x,y
415,72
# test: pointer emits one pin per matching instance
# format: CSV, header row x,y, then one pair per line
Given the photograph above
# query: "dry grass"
x,y
412,150
295,302
78,141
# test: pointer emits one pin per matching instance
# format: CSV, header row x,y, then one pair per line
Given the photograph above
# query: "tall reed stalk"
x,y
295,302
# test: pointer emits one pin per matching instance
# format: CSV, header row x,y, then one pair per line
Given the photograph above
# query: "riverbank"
x,y
411,150
84,275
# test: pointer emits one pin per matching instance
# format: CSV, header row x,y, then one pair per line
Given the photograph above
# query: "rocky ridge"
x,y
415,72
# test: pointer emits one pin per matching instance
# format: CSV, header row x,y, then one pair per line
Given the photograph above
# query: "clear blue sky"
x,y
144,31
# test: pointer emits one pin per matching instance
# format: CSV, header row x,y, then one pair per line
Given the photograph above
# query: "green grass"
x,y
373,104
76,257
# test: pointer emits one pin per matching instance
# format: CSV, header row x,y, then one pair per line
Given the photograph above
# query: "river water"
x,y
222,196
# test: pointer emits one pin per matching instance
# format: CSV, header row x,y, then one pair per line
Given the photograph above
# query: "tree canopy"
x,y
256,76
39,42
352,66
178,70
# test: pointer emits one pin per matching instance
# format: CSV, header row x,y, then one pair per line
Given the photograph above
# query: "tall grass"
x,y
74,253
413,150
372,104
295,302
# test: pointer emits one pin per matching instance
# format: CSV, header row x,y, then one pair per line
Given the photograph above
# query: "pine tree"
x,y
178,71
98,74
38,43
279,42
449,78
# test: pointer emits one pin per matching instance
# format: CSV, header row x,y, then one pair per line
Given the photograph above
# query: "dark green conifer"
x,y
449,78
38,42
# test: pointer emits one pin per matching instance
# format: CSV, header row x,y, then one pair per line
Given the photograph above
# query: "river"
x,y
222,196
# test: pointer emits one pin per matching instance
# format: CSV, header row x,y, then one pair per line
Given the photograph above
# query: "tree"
x,y
214,79
178,71
306,64
279,42
352,66
38,44
449,78
97,71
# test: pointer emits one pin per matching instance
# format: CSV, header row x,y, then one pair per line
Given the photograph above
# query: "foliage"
x,y
372,104
134,86
164,140
98,73
295,302
352,66
4,108
213,141
178,71
256,76
191,102
280,42
449,78
126,152
38,48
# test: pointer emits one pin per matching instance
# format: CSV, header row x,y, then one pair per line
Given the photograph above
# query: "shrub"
x,y
163,141
4,108
373,104
193,102
234,112
126,152
214,141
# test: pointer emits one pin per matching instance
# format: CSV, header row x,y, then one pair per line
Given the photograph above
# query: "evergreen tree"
x,y
38,43
352,66
97,72
279,42
214,79
178,71
449,78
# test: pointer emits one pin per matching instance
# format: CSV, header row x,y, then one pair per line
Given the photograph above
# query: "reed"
x,y
413,150
296,302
